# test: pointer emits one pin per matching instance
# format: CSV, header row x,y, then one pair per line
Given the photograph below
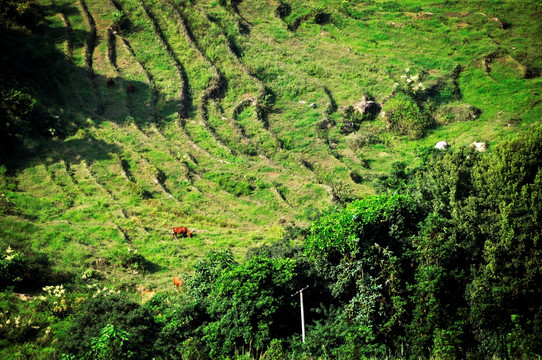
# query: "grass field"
x,y
209,122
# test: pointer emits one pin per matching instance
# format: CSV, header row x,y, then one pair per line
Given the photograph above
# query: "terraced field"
x,y
231,117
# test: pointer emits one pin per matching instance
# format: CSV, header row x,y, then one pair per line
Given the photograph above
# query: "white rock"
x,y
479,146
442,145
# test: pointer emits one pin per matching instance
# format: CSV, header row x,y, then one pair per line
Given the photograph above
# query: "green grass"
x,y
140,168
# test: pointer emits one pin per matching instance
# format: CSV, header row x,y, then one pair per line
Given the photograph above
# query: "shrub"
x,y
249,306
117,17
111,344
275,351
402,115
17,326
11,267
24,269
104,312
6,205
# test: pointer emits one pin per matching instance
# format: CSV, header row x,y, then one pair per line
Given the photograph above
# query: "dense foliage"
x,y
120,118
449,268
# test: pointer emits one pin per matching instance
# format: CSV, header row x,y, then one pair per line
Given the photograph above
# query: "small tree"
x,y
117,18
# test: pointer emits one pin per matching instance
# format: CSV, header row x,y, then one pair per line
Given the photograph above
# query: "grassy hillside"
x,y
232,117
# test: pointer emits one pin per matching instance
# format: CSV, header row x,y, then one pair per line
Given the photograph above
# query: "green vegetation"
x,y
450,268
296,141
404,116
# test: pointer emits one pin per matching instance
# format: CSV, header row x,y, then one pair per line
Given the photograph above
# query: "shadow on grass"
x,y
46,98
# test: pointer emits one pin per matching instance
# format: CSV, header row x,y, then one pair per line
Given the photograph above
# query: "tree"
x,y
361,251
438,292
246,305
478,255
506,294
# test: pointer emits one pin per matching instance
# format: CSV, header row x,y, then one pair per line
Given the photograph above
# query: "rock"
x,y
473,112
442,145
101,263
479,146
367,106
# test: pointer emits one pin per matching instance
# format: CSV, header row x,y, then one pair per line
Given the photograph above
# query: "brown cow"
x,y
110,82
183,231
177,282
131,88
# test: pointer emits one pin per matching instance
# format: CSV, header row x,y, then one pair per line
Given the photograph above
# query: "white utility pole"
x,y
300,292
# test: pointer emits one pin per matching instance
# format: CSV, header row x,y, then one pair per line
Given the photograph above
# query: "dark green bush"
x,y
110,309
23,268
249,306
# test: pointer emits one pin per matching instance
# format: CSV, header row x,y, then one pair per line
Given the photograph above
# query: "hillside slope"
x,y
238,118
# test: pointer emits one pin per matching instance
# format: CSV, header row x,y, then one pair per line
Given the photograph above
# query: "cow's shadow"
x,y
151,267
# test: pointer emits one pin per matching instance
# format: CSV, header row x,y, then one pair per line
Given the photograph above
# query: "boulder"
x,y
479,146
367,106
442,145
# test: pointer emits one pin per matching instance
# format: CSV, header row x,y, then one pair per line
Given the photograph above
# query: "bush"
x,y
104,312
250,305
110,344
18,325
25,269
402,115
6,205
275,351
117,19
